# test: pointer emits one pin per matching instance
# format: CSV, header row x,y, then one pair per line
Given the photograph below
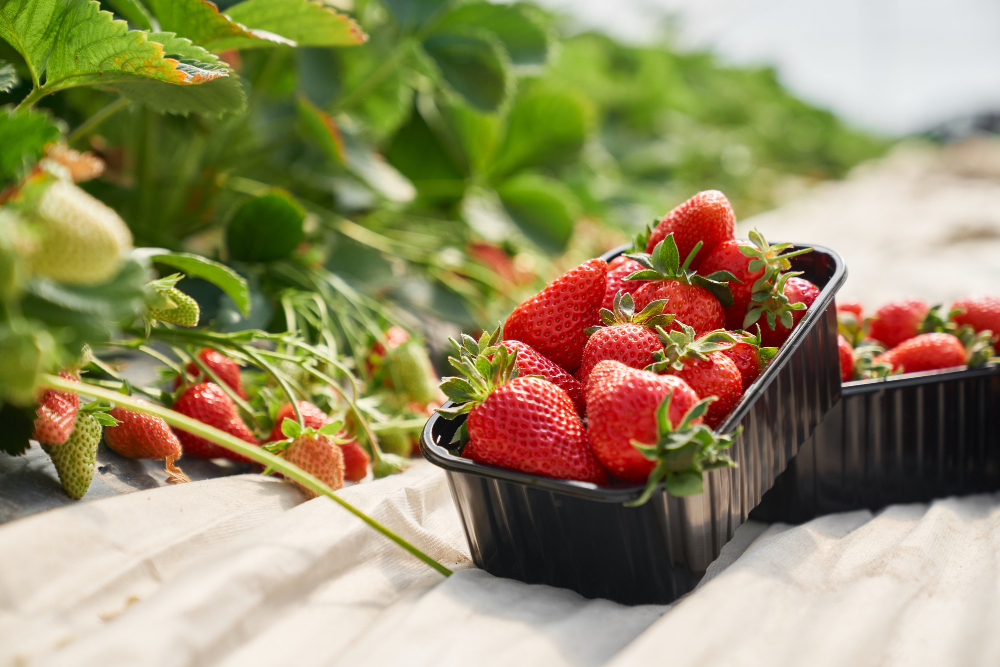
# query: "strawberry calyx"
x,y
485,365
772,303
680,346
664,263
623,312
868,363
292,430
978,346
683,453
764,352
768,291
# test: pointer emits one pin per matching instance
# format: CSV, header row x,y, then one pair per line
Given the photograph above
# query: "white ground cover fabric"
x,y
240,571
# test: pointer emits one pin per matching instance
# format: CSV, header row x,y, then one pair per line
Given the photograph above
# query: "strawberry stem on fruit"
x,y
238,446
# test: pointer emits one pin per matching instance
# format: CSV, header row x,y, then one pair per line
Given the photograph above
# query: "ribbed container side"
x,y
905,439
582,537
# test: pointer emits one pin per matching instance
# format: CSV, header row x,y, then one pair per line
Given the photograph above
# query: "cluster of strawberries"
x,y
911,336
626,367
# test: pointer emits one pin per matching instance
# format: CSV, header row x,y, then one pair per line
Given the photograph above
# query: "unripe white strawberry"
x,y
82,240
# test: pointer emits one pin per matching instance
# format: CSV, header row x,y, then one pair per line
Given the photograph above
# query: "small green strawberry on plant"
x,y
166,303
76,459
317,451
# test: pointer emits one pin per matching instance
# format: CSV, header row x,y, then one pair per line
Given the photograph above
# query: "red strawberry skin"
x,y
621,406
981,313
141,436
207,403
312,417
727,257
632,344
926,352
56,414
693,305
706,217
553,321
798,290
619,269
356,461
898,321
227,370
846,353
530,362
319,456
853,307
715,376
530,424
747,360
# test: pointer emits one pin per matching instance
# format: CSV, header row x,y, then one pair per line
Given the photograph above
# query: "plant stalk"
x,y
94,121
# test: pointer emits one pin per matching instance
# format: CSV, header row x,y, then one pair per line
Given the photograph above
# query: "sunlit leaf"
x,y
319,128
23,136
413,14
518,26
306,22
474,65
265,228
133,12
203,23
543,208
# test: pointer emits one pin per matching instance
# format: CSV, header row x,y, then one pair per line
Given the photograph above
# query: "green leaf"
x,y
519,27
417,152
290,428
366,164
133,12
412,14
220,275
265,228
306,22
483,211
215,96
8,77
203,23
545,126
319,128
31,27
474,65
24,136
684,483
543,208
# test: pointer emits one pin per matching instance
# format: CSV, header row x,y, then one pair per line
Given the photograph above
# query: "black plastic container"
x,y
580,536
905,439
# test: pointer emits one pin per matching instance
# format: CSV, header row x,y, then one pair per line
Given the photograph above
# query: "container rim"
x,y
904,380
443,458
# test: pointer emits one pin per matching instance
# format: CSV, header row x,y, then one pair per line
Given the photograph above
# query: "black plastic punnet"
x,y
905,439
580,536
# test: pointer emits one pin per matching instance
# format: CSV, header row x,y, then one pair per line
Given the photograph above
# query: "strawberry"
x,y
410,370
356,459
626,336
521,423
619,269
691,298
754,263
783,314
707,218
179,308
648,428
553,321
898,321
312,417
748,356
56,414
396,442
847,360
82,240
207,403
853,307
316,452
138,435
982,313
224,368
926,352
702,364
530,362
76,459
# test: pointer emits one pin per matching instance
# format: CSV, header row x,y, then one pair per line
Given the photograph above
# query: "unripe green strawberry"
x,y
76,459
185,312
83,241
396,442
412,373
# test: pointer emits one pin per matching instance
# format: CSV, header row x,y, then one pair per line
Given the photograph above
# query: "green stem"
x,y
29,101
238,446
94,121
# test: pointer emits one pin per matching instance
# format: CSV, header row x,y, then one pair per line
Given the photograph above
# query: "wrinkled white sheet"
x,y
240,571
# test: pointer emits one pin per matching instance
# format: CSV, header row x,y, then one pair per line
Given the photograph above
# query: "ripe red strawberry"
x,y
898,321
851,306
521,423
701,363
529,362
312,417
225,368
982,313
56,414
356,459
207,403
707,218
143,436
846,353
646,427
627,336
748,356
774,332
619,269
926,352
318,455
553,321
754,263
691,298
